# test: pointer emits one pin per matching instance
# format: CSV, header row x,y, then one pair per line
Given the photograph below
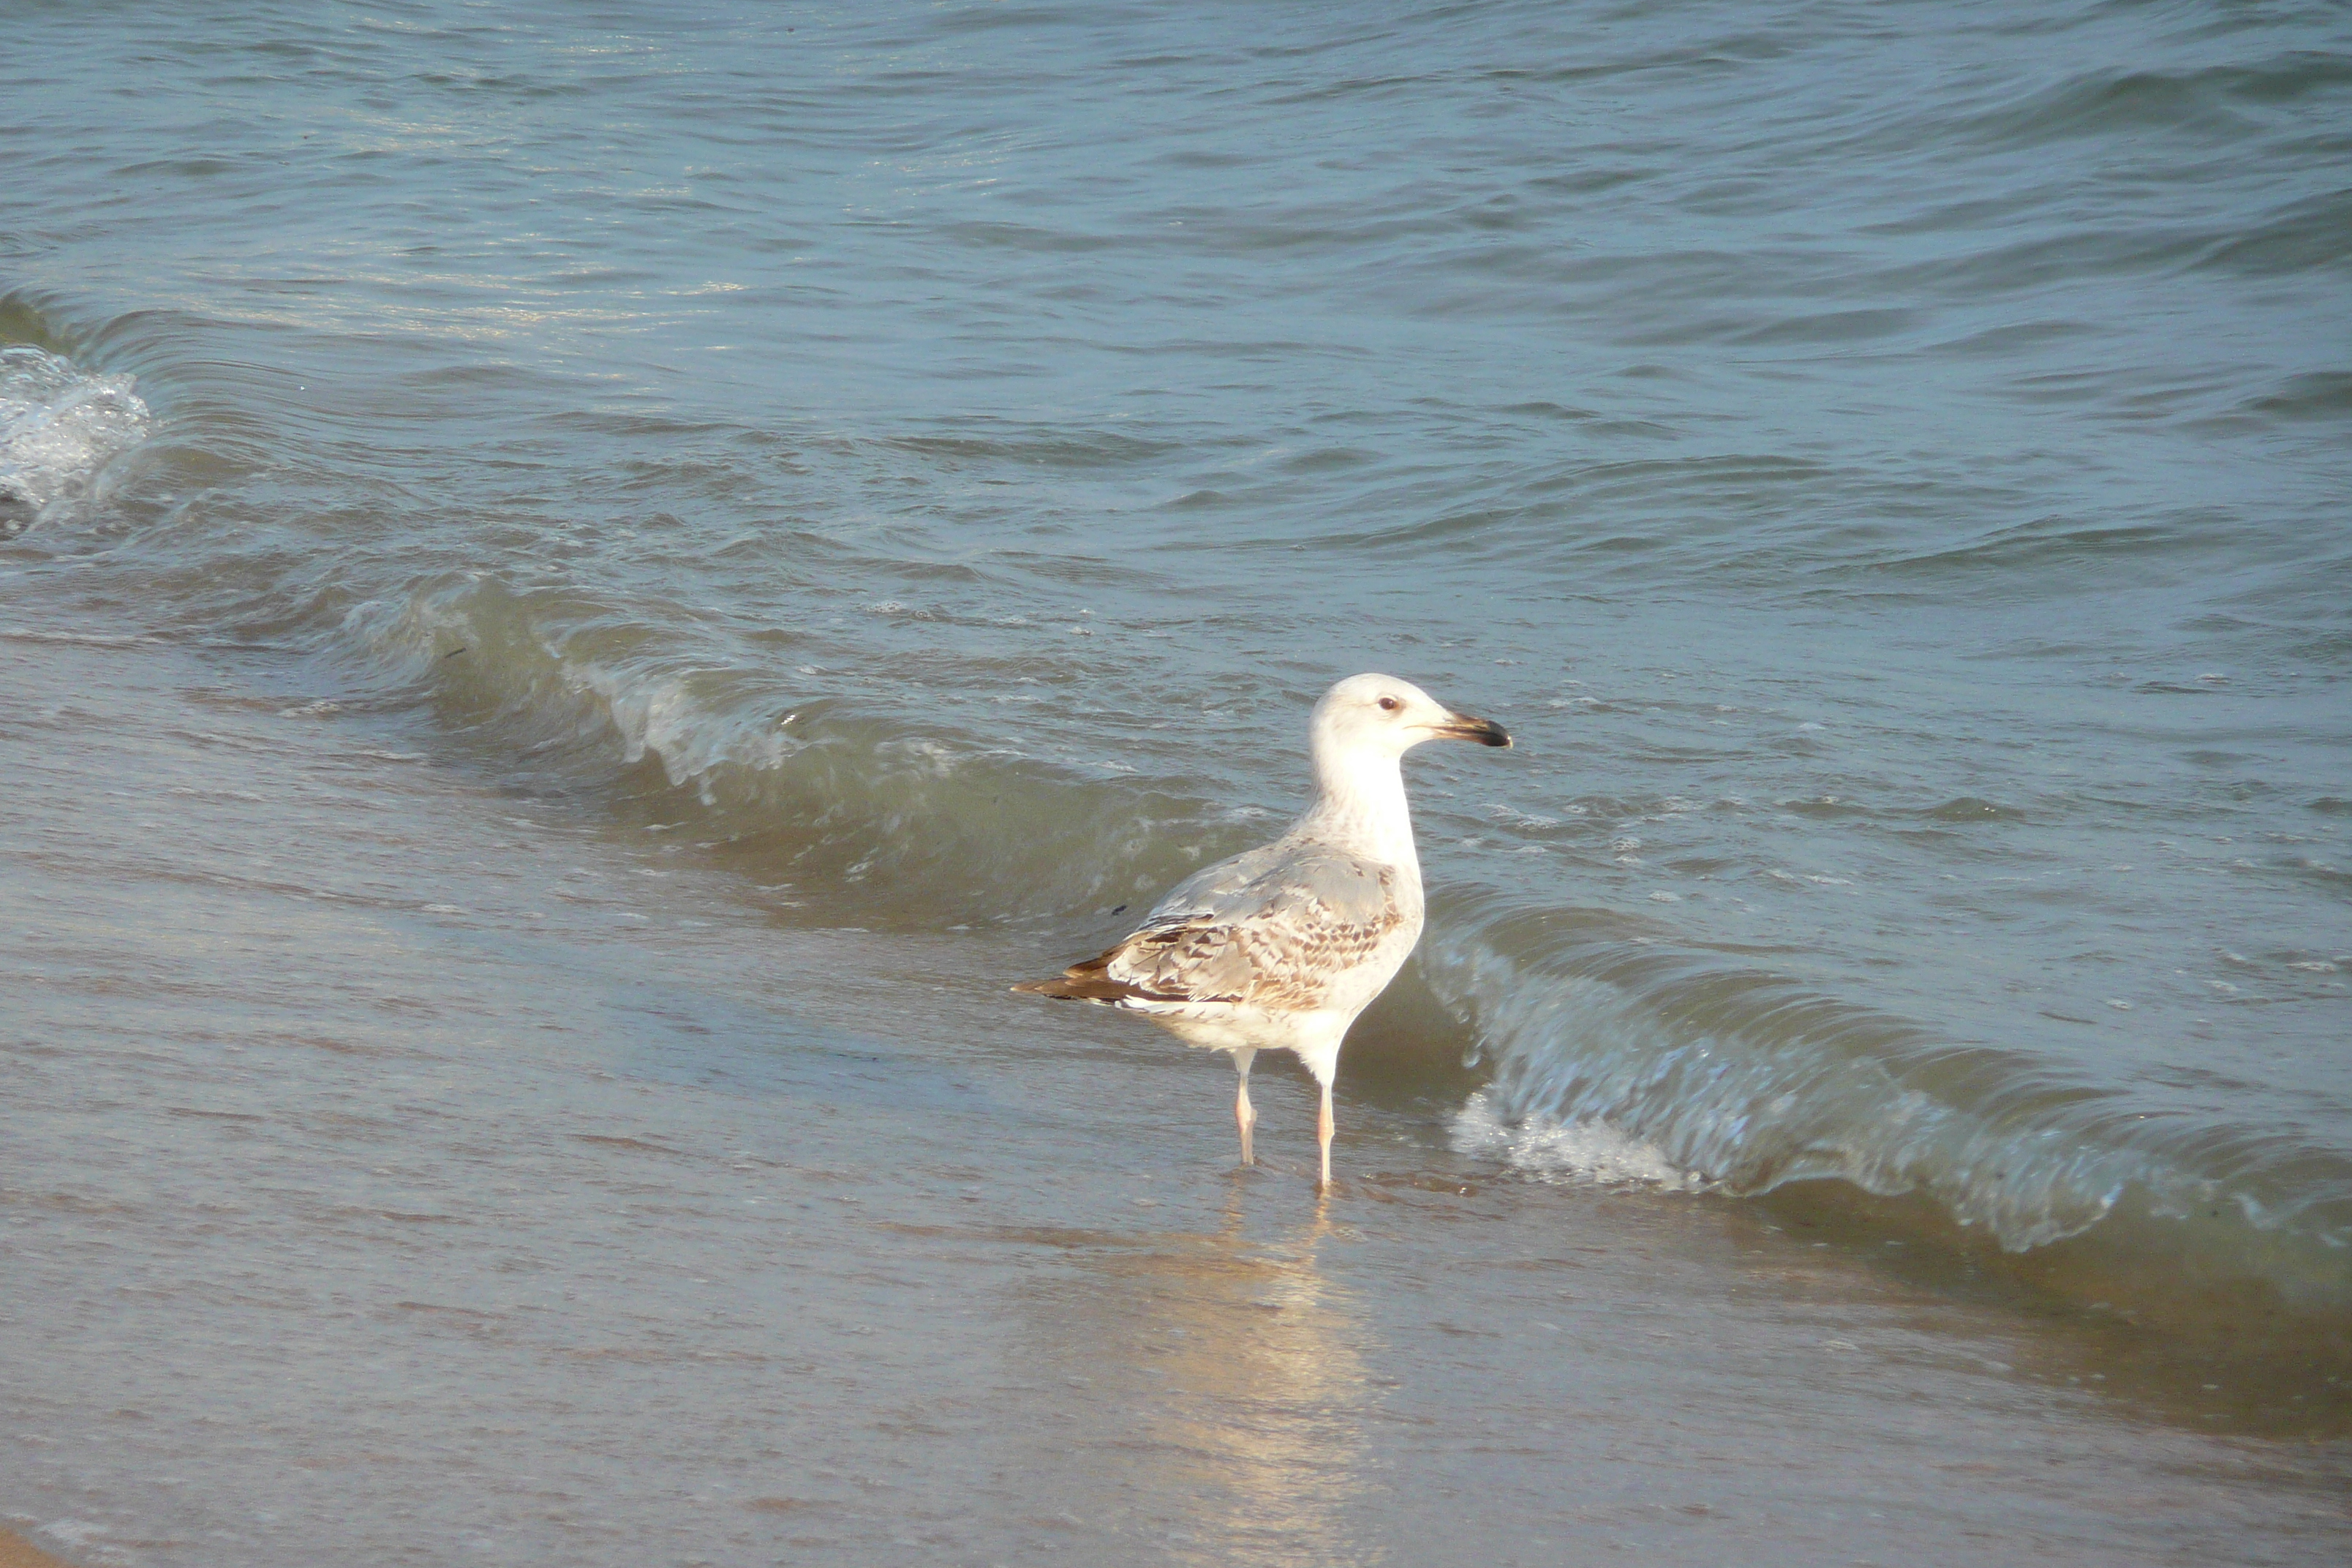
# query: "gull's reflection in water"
x,y
1218,1388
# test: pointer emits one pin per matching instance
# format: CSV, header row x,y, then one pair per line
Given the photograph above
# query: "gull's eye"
x,y
1390,704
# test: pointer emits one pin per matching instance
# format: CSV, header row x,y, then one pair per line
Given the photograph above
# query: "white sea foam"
x,y
1588,1151
58,425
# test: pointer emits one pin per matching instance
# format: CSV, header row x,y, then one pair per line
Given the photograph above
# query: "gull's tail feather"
x,y
1062,989
1088,982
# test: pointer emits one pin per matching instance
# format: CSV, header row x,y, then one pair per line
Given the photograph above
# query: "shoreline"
x,y
451,1138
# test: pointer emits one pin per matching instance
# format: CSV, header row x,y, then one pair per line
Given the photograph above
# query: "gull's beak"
x,y
1461,727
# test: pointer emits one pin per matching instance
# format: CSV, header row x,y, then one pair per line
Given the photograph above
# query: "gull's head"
x,y
1379,715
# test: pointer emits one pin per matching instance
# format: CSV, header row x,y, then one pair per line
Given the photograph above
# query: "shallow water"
x,y
405,1166
900,475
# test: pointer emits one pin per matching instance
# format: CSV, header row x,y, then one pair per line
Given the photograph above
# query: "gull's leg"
x,y
1244,1115
1323,1132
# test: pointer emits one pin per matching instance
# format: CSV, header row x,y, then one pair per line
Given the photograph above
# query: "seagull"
x,y
1281,947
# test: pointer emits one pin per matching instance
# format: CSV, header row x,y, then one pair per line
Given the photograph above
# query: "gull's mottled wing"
x,y
1208,890
1270,929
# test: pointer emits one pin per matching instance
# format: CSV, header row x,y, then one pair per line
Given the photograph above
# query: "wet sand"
x,y
18,1553
406,1168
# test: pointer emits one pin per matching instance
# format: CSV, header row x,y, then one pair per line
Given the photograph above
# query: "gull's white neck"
x,y
1360,802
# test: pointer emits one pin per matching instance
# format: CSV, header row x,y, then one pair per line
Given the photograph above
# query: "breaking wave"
x,y
1618,1053
888,819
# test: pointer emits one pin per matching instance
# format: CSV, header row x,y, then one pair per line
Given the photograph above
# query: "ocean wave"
x,y
1614,1051
901,823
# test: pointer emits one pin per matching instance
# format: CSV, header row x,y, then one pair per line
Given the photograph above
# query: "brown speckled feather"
x,y
1272,929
